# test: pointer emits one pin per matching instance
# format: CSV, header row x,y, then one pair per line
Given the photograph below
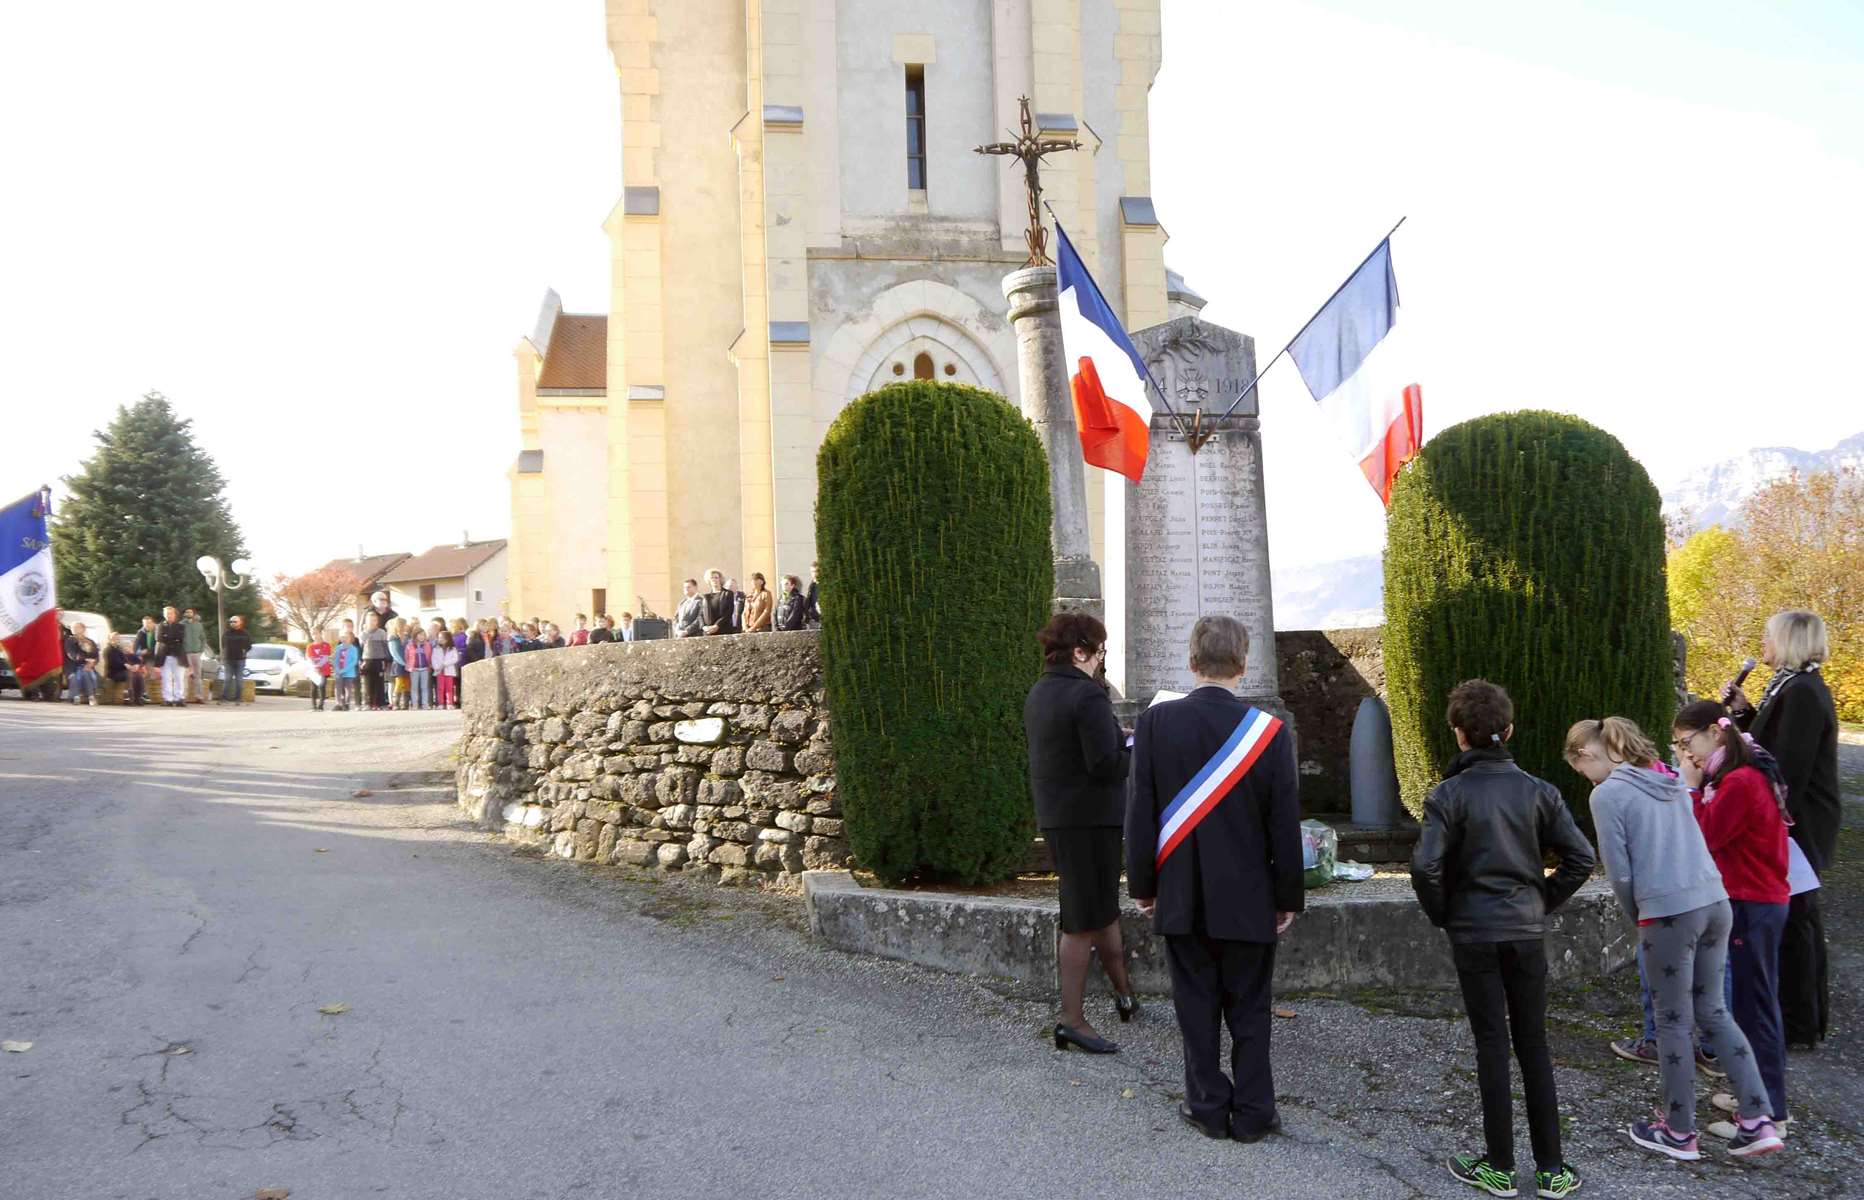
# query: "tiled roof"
x,y
368,569
577,356
445,562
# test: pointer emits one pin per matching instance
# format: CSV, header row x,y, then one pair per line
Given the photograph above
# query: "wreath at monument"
x,y
1525,548
932,532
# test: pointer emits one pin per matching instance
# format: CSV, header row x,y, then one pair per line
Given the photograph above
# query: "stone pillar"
x,y
1042,374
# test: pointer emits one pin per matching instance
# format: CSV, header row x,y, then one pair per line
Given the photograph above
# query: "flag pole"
x,y
1257,378
1176,420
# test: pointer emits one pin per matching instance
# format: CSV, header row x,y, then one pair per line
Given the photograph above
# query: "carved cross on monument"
x,y
1030,148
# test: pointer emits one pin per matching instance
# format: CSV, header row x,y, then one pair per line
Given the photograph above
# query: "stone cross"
x,y
1030,148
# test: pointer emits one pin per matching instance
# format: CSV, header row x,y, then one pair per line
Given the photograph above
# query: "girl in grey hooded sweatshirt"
x,y
1666,881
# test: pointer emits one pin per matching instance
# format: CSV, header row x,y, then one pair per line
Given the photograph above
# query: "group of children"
x,y
399,664
1699,861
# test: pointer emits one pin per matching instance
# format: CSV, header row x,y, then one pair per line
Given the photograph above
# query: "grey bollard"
x,y
1371,769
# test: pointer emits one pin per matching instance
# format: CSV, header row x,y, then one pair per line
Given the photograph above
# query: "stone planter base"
x,y
1351,936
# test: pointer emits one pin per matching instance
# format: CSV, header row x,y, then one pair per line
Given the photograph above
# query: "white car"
x,y
276,667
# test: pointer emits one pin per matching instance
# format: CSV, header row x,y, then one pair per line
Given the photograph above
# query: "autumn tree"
x,y
1799,544
309,602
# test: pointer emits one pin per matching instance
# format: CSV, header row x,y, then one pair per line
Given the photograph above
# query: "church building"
x,y
804,219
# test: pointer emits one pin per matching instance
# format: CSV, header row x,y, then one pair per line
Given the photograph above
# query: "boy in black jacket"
x,y
1479,875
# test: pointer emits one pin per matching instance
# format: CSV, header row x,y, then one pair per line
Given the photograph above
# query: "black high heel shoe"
x,y
1065,1036
1126,1006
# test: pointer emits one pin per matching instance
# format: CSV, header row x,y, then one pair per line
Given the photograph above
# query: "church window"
x,y
899,368
916,127
922,366
951,368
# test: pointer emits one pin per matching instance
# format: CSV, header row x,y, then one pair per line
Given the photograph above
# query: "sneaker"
x,y
1636,1050
1724,1102
1763,1138
1707,1064
1476,1171
1555,1184
1726,1130
1655,1134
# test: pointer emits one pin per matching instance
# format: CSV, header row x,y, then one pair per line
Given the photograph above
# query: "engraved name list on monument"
x,y
1190,553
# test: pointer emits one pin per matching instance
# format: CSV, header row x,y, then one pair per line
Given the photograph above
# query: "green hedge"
x,y
932,531
1525,548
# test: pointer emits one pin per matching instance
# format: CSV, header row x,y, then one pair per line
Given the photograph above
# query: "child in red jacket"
x,y
1743,819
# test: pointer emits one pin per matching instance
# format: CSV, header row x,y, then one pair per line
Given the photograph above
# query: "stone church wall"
x,y
710,756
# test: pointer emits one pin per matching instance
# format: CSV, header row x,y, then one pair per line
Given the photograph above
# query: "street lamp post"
x,y
217,578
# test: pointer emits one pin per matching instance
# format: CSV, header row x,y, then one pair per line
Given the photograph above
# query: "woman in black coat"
x,y
1077,769
793,609
1798,725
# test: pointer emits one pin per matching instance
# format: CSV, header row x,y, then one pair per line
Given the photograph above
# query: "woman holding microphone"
x,y
1077,769
1797,723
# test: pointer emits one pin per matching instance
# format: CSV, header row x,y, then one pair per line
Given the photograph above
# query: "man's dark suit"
x,y
1217,896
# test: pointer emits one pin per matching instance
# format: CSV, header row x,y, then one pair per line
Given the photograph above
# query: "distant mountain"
x,y
1348,594
1714,495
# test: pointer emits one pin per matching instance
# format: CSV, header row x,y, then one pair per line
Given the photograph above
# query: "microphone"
x,y
1747,664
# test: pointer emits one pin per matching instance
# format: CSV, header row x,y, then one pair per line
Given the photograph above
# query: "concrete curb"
x,y
1345,940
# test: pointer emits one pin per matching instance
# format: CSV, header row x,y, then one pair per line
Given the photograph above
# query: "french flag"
x,y
1107,375
1354,364
28,600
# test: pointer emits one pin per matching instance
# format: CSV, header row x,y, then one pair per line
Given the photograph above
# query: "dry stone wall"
x,y
707,755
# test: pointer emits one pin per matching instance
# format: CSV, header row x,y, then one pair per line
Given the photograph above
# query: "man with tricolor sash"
x,y
1213,856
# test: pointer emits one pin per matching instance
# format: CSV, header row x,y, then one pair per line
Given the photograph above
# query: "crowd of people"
x,y
725,608
390,662
164,656
1713,854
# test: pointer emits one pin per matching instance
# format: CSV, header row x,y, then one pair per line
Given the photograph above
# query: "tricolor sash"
x,y
1215,779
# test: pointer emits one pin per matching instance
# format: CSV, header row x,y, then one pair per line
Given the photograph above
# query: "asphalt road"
x,y
180,892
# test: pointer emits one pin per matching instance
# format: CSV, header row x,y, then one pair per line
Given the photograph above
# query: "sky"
x,y
322,231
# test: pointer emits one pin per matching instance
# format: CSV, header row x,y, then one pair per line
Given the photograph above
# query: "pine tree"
x,y
143,508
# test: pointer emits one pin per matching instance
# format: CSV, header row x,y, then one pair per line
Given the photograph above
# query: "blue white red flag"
x,y
1353,361
1107,376
1215,780
28,597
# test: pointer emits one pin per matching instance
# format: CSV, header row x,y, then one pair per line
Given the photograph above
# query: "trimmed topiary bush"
x,y
932,530
1524,548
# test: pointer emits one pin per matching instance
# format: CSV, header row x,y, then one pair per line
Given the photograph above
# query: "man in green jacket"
x,y
196,645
